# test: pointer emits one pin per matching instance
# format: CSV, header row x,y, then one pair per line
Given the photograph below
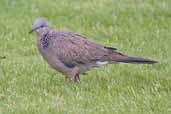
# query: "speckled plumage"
x,y
71,53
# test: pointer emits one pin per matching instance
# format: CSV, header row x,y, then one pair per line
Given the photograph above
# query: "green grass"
x,y
136,27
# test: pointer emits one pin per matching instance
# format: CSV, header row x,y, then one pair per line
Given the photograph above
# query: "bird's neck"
x,y
43,37
43,31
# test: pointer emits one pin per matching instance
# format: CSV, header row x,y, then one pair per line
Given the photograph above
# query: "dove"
x,y
72,54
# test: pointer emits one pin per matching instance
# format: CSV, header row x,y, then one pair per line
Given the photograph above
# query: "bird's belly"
x,y
47,54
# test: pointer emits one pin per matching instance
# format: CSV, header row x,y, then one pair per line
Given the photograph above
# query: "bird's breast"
x,y
45,41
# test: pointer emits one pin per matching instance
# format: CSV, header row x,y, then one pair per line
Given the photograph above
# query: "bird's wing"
x,y
74,49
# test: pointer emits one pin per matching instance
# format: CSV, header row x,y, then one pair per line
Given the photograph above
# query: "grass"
x,y
136,27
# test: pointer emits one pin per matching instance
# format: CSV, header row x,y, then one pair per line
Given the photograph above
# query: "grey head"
x,y
39,23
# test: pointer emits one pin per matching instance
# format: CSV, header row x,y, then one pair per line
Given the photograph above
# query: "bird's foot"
x,y
73,77
70,80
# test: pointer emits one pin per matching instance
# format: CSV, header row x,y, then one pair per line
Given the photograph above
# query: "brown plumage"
x,y
71,53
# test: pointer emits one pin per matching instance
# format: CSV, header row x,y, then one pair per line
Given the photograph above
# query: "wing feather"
x,y
74,49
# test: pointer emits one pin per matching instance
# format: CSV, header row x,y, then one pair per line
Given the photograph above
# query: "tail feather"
x,y
118,57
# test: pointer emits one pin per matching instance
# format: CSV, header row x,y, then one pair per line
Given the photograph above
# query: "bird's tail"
x,y
119,57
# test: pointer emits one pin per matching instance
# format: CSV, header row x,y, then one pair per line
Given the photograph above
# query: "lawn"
x,y
136,27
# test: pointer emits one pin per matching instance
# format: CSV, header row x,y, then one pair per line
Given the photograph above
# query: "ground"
x,y
136,27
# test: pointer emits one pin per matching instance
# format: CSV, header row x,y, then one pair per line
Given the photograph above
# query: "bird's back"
x,y
73,48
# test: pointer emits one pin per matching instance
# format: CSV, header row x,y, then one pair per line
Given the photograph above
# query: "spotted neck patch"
x,y
45,40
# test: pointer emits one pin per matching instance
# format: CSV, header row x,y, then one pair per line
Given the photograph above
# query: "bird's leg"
x,y
73,79
73,76
77,77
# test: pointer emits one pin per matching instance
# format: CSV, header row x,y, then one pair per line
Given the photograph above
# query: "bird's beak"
x,y
30,31
34,29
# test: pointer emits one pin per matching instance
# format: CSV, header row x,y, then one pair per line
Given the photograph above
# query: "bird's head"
x,y
39,25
